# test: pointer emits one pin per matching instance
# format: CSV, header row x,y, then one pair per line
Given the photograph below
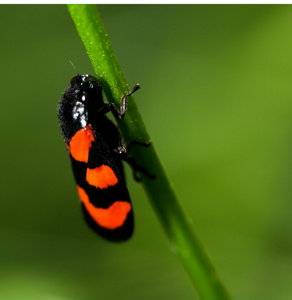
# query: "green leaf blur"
x,y
216,97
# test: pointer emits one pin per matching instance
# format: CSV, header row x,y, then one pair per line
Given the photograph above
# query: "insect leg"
x,y
122,151
132,143
121,113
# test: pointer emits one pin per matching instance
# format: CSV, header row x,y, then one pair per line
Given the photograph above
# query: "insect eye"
x,y
73,82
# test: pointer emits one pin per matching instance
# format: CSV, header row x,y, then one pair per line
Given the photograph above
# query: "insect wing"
x,y
101,186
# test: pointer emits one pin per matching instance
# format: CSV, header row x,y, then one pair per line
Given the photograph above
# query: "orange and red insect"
x,y
96,149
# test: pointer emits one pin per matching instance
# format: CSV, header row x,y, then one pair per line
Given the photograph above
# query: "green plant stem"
x,y
161,194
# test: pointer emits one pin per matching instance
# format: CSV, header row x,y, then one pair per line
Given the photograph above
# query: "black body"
x,y
82,105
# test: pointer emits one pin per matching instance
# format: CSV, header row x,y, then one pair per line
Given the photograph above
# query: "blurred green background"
x,y
216,97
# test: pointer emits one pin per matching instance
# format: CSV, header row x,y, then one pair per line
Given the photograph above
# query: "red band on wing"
x,y
101,177
109,218
80,144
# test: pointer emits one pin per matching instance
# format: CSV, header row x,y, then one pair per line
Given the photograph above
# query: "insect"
x,y
96,148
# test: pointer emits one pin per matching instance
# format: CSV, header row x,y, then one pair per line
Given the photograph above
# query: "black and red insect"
x,y
96,148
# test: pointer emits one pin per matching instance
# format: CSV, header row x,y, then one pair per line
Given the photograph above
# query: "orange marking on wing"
x,y
101,177
109,218
80,144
